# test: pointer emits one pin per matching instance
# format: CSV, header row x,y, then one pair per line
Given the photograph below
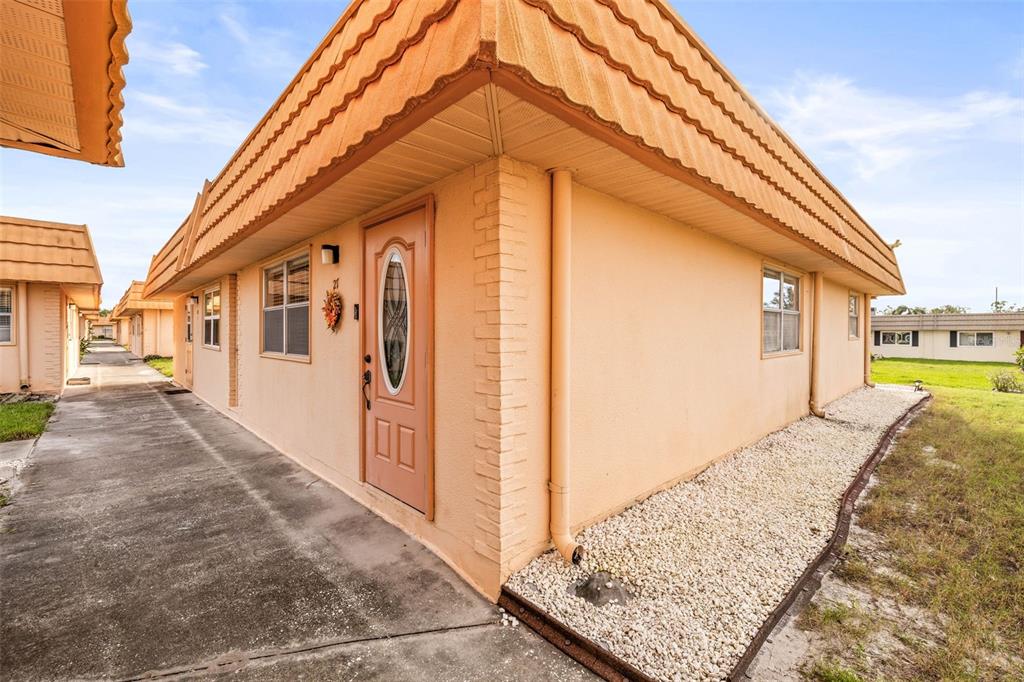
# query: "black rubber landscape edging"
x,y
809,582
610,667
581,649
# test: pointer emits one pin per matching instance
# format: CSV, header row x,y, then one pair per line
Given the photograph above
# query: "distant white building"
x,y
982,337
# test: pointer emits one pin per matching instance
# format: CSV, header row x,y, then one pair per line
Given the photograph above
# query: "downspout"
x,y
816,344
867,341
24,380
561,365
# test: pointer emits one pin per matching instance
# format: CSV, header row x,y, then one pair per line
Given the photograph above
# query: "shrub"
x,y
1020,358
1007,382
83,346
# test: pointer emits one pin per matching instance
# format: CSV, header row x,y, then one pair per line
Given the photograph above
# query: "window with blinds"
x,y
286,308
854,316
211,318
780,331
6,315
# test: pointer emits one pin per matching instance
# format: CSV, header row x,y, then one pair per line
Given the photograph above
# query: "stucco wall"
x,y
178,345
158,332
70,323
8,368
46,339
934,344
311,410
9,378
842,356
667,370
667,364
209,363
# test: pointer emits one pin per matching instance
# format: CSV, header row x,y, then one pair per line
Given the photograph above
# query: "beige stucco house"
x,y
100,326
576,262
144,326
62,80
49,278
980,337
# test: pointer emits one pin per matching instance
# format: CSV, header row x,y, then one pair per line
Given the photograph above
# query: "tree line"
x,y
997,307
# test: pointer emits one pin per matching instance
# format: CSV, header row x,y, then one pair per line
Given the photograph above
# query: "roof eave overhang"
x,y
447,94
521,85
204,269
86,297
96,33
487,66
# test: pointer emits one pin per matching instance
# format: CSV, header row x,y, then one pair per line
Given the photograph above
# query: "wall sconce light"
x,y
329,253
194,299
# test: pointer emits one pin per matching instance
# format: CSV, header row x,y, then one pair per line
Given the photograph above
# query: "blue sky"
x,y
915,111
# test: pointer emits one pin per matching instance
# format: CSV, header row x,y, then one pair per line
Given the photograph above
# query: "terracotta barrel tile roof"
x,y
132,302
628,72
44,251
62,77
583,54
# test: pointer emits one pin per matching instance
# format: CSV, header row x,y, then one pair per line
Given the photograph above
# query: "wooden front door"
x,y
190,321
397,357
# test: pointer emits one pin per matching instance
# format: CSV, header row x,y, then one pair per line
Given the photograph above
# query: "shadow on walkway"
x,y
155,534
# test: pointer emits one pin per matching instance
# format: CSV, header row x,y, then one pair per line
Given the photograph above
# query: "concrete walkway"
x,y
154,536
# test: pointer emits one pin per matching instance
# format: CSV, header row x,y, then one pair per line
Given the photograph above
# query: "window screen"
x,y
6,314
976,339
854,315
211,318
780,300
286,308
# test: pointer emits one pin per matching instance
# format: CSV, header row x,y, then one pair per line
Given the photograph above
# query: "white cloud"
x,y
943,175
875,132
262,49
176,57
167,119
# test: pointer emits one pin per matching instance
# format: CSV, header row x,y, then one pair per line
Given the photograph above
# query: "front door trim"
x,y
426,203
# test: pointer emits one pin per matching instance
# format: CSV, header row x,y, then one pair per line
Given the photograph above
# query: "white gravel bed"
x,y
710,558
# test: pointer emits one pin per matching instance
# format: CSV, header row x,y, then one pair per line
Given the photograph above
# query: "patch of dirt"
x,y
893,628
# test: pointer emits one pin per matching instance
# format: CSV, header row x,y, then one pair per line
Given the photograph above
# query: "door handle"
x,y
367,376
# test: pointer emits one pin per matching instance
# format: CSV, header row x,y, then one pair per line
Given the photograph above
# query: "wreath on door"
x,y
332,308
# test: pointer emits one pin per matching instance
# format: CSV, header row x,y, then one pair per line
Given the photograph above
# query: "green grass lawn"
x,y
23,420
951,525
163,365
942,373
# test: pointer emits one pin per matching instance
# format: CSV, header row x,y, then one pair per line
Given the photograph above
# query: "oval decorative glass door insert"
x,y
394,320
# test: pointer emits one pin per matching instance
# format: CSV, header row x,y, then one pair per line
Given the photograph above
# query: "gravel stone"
x,y
707,560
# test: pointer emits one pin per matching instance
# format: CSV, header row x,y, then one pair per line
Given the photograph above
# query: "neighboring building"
x,y
983,337
49,277
522,351
121,329
144,327
61,96
62,78
100,326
